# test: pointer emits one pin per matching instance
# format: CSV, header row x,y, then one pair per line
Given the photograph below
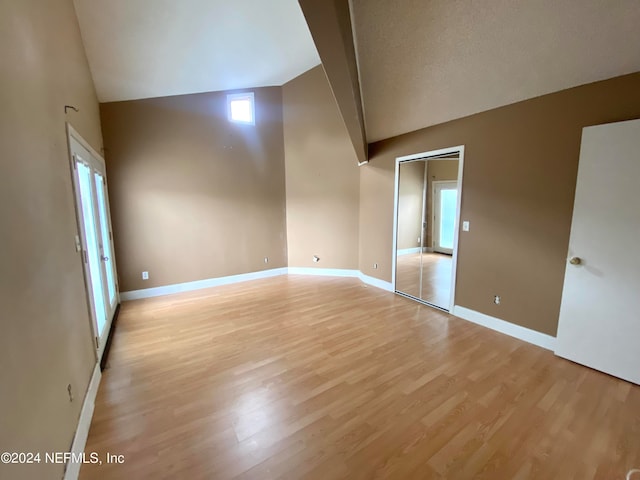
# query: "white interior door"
x,y
600,313
445,204
96,238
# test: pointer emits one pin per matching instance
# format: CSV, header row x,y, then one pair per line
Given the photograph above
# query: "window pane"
x,y
448,203
105,240
93,254
241,110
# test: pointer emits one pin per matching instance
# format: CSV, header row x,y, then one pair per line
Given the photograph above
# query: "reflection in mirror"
x,y
411,202
427,207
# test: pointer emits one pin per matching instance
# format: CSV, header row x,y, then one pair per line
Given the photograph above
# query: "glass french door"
x,y
95,238
445,201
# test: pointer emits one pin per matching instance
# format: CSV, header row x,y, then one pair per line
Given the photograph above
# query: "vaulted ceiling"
x,y
424,62
152,48
419,62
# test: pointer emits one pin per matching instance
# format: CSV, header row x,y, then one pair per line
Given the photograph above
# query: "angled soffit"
x,y
330,25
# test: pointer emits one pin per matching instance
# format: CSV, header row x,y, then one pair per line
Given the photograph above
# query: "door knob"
x,y
104,259
575,261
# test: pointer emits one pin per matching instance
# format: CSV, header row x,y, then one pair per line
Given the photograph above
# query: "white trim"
x,y
376,282
199,284
456,232
409,251
431,153
396,201
327,272
72,469
72,132
429,156
531,336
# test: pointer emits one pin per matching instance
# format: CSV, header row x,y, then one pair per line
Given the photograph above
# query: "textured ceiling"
x,y
153,48
424,62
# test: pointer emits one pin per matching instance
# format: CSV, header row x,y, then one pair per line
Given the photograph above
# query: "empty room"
x,y
305,239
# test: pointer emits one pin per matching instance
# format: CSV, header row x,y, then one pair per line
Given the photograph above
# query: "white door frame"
x,y
430,155
434,202
99,165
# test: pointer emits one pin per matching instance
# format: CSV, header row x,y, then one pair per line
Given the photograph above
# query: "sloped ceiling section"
x,y
332,32
154,48
428,62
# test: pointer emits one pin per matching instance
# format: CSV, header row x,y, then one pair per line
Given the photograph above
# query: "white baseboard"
x,y
214,282
326,272
540,339
199,284
408,251
376,282
84,423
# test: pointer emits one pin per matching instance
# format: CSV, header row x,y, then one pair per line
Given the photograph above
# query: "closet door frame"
x,y
429,155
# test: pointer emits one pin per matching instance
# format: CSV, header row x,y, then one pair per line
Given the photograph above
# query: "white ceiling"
x,y
424,62
153,48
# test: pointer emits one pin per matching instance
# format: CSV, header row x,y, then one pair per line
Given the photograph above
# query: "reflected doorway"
x,y
428,193
445,203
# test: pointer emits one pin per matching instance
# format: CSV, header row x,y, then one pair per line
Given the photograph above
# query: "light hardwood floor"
x,y
326,378
437,270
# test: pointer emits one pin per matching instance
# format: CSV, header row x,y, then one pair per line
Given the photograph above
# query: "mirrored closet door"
x,y
427,199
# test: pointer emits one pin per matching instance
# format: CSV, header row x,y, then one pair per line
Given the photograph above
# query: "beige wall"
x,y
46,335
195,197
410,203
519,180
439,171
322,176
192,195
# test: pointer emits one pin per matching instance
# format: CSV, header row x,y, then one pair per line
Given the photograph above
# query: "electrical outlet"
x,y
496,299
375,266
465,226
145,275
266,259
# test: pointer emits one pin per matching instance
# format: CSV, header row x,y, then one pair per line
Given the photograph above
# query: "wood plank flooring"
x,y
326,378
437,270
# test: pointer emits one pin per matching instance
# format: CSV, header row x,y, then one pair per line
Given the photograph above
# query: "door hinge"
x,y
97,343
86,257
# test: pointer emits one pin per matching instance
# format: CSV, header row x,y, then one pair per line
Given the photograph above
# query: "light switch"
x,y
465,226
